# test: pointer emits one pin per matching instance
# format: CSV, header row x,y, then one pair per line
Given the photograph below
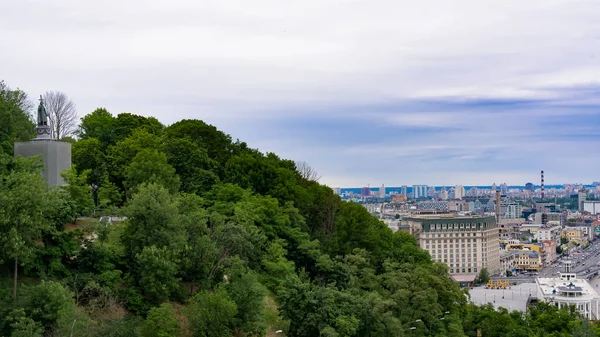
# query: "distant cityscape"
x,y
544,235
450,192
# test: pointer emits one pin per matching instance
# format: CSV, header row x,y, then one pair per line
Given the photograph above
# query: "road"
x,y
584,263
581,261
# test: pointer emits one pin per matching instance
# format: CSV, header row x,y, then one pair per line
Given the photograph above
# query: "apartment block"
x,y
465,243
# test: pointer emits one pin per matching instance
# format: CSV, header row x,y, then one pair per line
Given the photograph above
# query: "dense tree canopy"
x,y
219,240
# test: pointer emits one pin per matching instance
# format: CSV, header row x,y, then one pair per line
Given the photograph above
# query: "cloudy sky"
x,y
368,92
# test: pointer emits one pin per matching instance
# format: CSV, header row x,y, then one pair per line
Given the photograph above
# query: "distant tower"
x,y
581,198
459,192
382,191
404,190
497,206
542,184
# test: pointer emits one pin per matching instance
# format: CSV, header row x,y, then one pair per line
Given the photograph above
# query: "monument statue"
x,y
55,154
42,114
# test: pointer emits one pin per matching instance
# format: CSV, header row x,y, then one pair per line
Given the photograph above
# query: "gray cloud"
x,y
246,67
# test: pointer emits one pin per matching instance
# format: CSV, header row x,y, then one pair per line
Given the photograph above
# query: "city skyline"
x,y
439,187
470,92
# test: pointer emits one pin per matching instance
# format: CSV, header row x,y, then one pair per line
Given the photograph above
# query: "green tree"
x,y
157,270
23,326
126,124
99,124
15,119
217,143
88,154
248,294
150,166
79,191
483,277
585,330
47,303
153,220
122,153
192,164
24,202
160,322
108,195
212,314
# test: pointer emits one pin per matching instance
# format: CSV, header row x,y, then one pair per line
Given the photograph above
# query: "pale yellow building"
x,y
574,234
465,243
528,261
523,246
532,228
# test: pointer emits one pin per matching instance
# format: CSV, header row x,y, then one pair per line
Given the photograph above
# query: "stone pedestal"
x,y
55,155
43,133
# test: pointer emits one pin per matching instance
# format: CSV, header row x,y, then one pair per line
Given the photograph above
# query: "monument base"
x,y
43,133
55,155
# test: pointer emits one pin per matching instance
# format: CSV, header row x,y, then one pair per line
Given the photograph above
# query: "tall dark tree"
x,y
24,202
99,124
16,123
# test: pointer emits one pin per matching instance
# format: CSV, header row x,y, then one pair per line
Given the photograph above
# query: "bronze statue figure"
x,y
42,114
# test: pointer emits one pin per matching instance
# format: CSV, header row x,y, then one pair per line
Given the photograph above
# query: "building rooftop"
x,y
464,278
558,288
531,254
447,216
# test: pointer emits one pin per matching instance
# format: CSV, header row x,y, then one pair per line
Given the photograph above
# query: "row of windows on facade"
x,y
455,245
457,226
467,240
455,235
452,258
452,242
468,251
463,270
451,261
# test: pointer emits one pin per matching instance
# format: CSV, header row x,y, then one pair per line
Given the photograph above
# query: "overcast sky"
x,y
397,92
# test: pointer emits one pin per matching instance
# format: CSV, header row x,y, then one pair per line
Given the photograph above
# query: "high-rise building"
x,y
494,187
444,195
459,192
404,190
431,192
466,244
504,189
581,198
382,191
529,187
336,190
365,192
510,209
419,191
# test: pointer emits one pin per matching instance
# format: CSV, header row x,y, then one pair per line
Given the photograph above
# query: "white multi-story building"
x,y
510,210
591,206
567,290
420,191
459,192
507,262
548,233
404,190
444,195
